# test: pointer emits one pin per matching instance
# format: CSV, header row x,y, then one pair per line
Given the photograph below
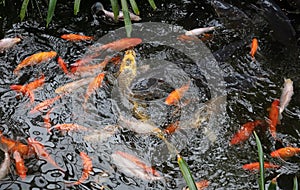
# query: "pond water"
x,y
218,69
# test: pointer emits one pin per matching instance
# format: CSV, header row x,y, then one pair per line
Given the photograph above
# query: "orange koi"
x,y
273,117
171,128
201,185
245,132
89,68
28,88
255,166
45,104
96,83
87,168
286,152
62,65
47,123
254,47
76,37
176,95
120,45
40,151
20,165
139,163
70,127
13,146
35,59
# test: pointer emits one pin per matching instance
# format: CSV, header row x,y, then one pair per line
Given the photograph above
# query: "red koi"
x,y
87,168
13,146
201,185
245,132
40,151
89,68
35,59
255,166
96,83
171,128
176,95
20,165
286,152
45,104
28,88
70,127
254,47
273,117
76,37
62,65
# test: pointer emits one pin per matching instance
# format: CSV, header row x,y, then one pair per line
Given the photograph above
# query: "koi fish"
x,y
96,83
98,7
45,104
7,43
62,65
4,167
35,59
120,45
20,165
245,132
199,31
201,185
286,152
176,95
47,123
255,166
12,146
87,168
101,134
134,166
137,125
90,69
70,127
254,47
286,95
273,117
69,87
172,128
40,151
76,37
28,88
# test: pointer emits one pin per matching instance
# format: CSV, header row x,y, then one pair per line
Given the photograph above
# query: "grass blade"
x,y
51,8
76,6
295,187
23,9
134,7
152,3
261,181
127,21
115,8
186,173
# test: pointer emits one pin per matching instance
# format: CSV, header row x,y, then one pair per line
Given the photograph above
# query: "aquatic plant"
x,y
261,180
114,4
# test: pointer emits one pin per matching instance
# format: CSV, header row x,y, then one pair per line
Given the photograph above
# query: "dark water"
x,y
251,86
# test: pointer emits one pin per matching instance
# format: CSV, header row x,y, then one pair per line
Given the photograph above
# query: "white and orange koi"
x,y
7,43
286,95
199,31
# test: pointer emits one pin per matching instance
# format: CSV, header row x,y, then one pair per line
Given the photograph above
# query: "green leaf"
x,y
115,8
127,21
76,6
134,7
186,173
23,9
261,163
295,187
51,8
152,3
